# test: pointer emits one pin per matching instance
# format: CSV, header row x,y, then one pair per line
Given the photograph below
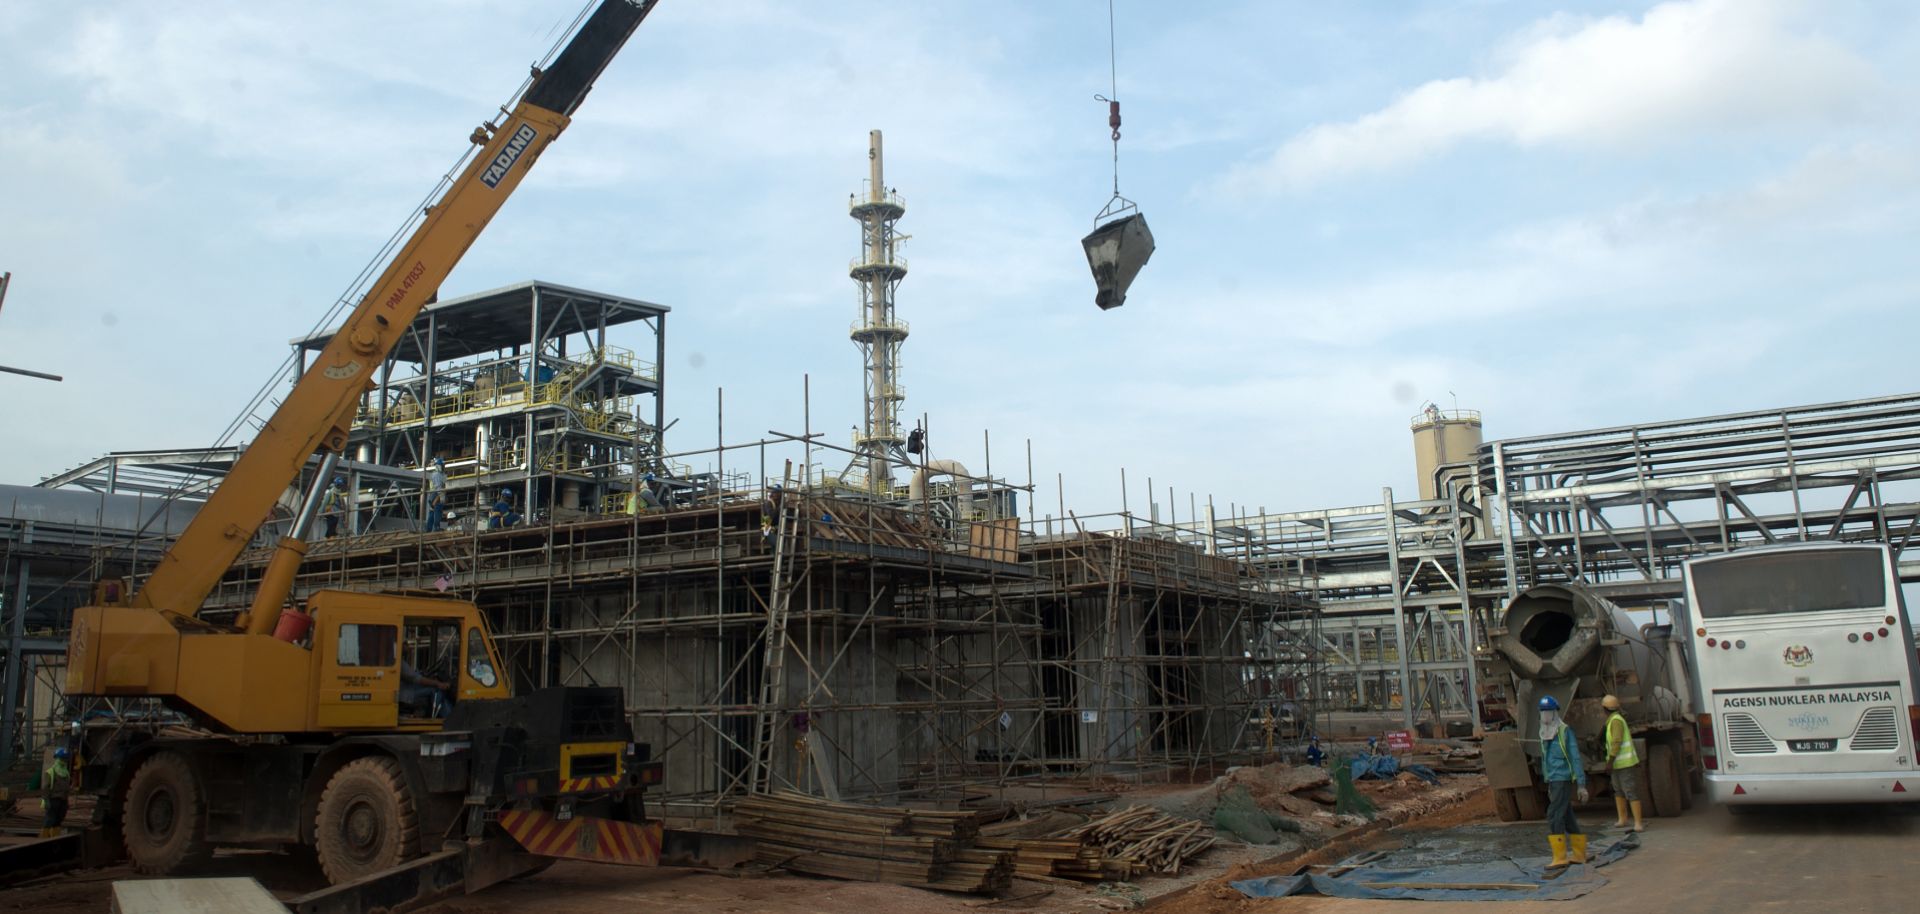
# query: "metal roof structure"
x,y
497,319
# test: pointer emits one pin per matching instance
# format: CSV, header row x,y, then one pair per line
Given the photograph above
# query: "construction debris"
x,y
1151,840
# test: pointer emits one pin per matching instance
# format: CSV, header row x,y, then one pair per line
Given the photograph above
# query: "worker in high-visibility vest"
x,y
1624,763
55,782
1566,781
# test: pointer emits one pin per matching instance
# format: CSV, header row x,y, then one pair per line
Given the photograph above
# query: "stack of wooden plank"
x,y
1061,858
1147,838
920,847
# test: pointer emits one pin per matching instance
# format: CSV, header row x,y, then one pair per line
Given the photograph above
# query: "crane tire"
x,y
367,820
163,820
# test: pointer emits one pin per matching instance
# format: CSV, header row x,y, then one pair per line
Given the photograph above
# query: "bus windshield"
x,y
1797,581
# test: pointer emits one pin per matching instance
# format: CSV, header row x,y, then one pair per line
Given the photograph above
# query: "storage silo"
x,y
1441,437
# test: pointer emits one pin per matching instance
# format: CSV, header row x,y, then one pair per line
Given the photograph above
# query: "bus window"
x,y
1790,582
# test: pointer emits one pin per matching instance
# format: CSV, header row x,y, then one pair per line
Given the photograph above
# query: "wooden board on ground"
x,y
203,896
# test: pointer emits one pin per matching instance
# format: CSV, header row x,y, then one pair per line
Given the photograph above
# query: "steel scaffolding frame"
x,y
774,636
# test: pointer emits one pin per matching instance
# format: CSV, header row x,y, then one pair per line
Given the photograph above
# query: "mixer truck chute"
x,y
1568,642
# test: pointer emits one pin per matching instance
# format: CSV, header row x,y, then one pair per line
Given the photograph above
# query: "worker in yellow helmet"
x,y
1624,763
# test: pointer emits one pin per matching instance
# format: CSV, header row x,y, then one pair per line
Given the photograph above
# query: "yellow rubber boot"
x,y
1577,851
1559,843
1619,811
1636,817
53,832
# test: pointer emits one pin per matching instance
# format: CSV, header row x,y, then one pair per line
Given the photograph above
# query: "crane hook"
x,y
1113,114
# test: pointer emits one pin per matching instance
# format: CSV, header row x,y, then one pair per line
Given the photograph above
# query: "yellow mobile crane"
x,y
314,746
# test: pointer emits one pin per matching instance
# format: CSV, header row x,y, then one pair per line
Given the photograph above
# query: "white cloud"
x,y
1681,69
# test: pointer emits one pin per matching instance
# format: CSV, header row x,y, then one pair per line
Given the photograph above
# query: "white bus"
x,y
1804,675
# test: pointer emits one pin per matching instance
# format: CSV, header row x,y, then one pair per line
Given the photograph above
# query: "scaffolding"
x,y
774,636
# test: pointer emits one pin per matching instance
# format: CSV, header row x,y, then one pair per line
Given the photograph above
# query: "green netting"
x,y
1238,814
1347,798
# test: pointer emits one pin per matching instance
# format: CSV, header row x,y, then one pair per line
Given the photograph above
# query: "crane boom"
x,y
317,413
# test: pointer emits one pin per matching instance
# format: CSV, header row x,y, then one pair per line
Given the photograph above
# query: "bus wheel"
x,y
1663,780
1505,806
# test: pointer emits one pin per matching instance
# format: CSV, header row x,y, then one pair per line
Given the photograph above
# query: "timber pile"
x,y
1147,838
919,847
1060,858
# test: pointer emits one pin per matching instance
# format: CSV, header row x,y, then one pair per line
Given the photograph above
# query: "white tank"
x,y
1441,437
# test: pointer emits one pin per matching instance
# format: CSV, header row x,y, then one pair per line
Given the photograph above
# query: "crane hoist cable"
x,y
1120,243
1117,204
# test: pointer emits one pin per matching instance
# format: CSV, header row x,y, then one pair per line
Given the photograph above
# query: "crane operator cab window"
x,y
479,662
366,645
429,665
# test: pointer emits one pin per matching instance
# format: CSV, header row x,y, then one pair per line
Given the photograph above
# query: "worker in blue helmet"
x,y
1566,781
56,781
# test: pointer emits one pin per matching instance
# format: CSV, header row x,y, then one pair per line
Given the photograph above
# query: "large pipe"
x,y
917,487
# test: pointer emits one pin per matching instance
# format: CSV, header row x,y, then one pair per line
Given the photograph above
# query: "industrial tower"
x,y
878,271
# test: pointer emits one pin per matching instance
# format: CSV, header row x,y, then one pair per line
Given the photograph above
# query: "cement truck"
x,y
1567,641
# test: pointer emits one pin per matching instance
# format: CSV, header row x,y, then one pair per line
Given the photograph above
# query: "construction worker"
x,y
649,499
1316,756
55,782
502,514
421,691
1566,781
436,494
333,505
1624,763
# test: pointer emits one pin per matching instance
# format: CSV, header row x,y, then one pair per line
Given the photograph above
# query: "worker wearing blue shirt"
x,y
502,514
1566,780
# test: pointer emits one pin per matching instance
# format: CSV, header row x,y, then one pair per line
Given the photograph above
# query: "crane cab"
x,y
351,672
385,662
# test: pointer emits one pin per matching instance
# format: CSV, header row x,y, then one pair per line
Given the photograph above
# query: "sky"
x,y
1565,215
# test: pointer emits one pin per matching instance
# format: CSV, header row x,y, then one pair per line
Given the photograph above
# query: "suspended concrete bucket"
x,y
1117,251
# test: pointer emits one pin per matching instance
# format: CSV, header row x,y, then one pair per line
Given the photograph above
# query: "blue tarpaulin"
x,y
1383,879
1383,767
1374,766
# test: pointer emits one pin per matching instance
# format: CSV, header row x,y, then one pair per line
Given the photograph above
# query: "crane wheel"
x,y
164,818
367,822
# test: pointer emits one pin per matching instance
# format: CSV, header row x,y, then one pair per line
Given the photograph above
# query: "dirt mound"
x,y
1275,787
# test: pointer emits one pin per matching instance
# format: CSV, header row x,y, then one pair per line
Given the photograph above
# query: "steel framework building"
x,y
518,390
1619,509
